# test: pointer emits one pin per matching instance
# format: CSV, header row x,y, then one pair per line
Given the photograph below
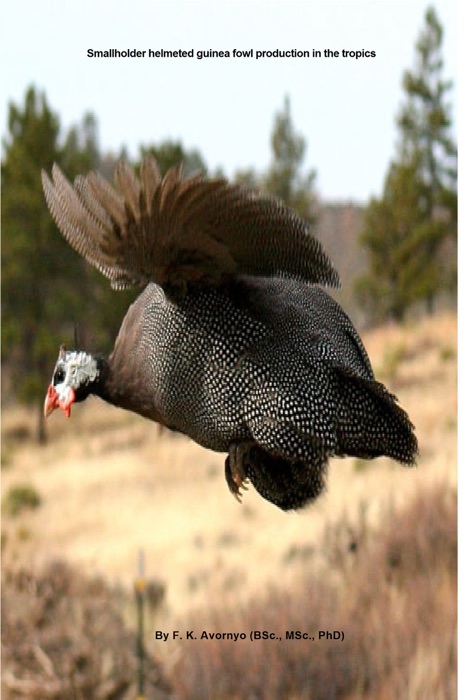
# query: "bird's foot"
x,y
235,469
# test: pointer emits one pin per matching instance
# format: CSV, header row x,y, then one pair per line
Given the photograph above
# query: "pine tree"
x,y
37,307
406,232
425,128
169,153
284,178
388,289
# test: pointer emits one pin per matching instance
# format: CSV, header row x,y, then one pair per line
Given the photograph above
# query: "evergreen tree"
x,y
284,178
169,153
80,151
248,178
388,289
37,306
417,214
425,127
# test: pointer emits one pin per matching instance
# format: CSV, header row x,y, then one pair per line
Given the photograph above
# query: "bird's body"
x,y
266,368
205,362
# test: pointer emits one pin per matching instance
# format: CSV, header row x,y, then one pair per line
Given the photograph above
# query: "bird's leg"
x,y
235,468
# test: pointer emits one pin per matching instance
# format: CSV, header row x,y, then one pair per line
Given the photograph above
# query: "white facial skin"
x,y
77,368
73,371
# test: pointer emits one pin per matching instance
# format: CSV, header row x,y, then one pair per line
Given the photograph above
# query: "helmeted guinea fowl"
x,y
231,341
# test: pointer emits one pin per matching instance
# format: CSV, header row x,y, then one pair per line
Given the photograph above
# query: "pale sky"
x,y
344,107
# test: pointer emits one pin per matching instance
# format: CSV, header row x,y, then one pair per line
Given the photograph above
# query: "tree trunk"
x,y
430,304
41,426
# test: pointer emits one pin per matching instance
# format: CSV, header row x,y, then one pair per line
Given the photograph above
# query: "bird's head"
x,y
74,374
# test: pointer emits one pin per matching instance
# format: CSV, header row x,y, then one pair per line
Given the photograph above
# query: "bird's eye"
x,y
59,376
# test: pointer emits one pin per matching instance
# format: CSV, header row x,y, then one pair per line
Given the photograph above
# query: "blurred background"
x,y
364,147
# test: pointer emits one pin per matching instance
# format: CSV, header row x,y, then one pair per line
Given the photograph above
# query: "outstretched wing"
x,y
181,232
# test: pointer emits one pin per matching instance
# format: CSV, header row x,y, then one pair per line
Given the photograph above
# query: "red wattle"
x,y
66,405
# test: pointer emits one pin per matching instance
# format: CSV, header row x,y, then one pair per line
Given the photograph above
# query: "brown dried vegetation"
x,y
375,557
395,602
63,636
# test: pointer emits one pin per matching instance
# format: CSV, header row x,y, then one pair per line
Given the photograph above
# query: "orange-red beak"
x,y
53,401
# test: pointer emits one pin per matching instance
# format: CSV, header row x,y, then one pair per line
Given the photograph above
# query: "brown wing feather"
x,y
180,232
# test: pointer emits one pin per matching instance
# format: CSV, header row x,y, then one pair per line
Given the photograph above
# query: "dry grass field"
x,y
111,485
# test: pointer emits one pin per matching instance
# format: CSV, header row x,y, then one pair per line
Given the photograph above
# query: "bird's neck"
x,y
98,385
119,384
106,386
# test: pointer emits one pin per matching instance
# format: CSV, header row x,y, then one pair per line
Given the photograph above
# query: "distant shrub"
x,y
5,458
23,533
392,359
447,353
362,465
20,497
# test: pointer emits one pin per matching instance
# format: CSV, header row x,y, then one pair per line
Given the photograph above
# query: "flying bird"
x,y
232,340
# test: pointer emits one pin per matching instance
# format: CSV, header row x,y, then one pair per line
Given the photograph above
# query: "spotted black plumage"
x,y
231,342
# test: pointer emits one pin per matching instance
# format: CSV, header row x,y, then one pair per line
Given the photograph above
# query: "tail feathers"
x,y
288,485
371,423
